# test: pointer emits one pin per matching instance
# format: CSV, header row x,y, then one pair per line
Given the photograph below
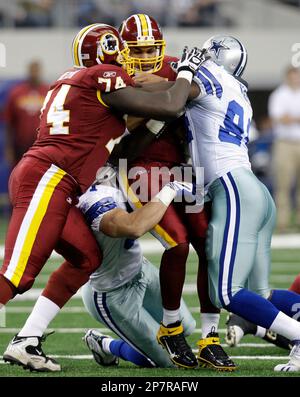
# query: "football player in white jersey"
x,y
243,212
124,293
218,117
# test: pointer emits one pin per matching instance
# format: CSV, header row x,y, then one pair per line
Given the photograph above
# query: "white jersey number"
x,y
57,115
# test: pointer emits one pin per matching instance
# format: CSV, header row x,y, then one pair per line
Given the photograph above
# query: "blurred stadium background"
x,y
42,31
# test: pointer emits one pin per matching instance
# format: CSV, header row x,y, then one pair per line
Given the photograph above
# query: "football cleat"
x,y
94,340
212,355
27,352
172,339
237,327
294,364
278,340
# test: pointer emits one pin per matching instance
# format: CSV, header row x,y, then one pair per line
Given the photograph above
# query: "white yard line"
x,y
80,330
57,330
34,293
28,309
108,331
90,357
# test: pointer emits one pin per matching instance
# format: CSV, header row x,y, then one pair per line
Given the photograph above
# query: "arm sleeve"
x,y
95,205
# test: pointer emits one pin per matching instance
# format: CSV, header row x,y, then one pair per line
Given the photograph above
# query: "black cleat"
x,y
278,340
172,339
212,355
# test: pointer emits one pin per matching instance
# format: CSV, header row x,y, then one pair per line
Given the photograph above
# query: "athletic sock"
x,y
209,321
106,344
42,314
286,326
170,316
262,312
253,308
121,349
260,332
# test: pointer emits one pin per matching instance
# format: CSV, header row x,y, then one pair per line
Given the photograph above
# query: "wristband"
x,y
185,74
166,195
155,126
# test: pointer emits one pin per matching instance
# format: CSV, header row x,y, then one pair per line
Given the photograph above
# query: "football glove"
x,y
156,127
190,60
183,189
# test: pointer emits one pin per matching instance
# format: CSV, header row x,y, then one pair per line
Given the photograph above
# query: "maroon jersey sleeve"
x,y
166,71
108,78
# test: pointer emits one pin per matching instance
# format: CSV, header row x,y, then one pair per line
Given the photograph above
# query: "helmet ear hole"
x,y
229,52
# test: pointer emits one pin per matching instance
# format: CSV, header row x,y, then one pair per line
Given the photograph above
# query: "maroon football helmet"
x,y
141,30
100,43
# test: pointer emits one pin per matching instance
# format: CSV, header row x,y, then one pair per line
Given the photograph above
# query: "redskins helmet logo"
x,y
109,43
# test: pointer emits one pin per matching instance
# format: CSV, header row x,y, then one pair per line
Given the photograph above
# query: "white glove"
x,y
183,189
189,63
176,189
156,127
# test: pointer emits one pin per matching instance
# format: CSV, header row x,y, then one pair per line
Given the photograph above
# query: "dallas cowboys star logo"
x,y
217,46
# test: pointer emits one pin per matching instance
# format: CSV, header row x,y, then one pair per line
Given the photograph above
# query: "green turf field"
x,y
254,358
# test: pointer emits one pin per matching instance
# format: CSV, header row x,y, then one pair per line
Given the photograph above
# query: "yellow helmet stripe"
x,y
145,30
150,33
79,35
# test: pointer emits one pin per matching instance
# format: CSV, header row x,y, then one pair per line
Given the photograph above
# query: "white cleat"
x,y
294,364
27,352
237,327
233,335
286,368
94,340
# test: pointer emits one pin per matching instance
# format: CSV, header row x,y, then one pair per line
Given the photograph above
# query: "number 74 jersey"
x,y
218,122
77,129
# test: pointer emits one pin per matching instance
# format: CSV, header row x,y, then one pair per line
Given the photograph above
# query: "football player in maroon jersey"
x,y
177,229
77,132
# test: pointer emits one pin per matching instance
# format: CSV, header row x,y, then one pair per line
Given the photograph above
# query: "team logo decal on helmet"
x,y
228,52
109,43
217,46
100,43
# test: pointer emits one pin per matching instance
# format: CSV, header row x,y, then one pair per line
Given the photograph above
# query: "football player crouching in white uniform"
x,y
124,293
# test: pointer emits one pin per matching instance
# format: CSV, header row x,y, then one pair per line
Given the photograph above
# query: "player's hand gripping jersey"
x,y
77,130
218,122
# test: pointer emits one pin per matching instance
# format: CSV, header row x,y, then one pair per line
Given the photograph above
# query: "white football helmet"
x,y
228,52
